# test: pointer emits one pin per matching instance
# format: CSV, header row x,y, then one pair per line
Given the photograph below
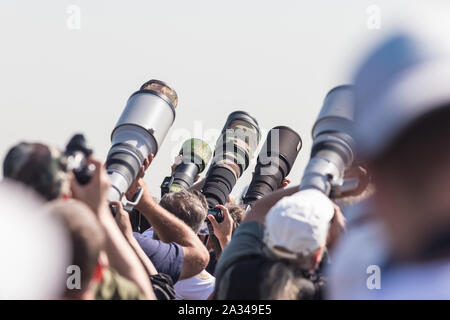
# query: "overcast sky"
x,y
273,59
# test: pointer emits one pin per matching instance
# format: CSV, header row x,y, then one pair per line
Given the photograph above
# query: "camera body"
x,y
77,154
166,185
217,214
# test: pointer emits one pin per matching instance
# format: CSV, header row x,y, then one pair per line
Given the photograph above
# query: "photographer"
x,y
402,130
43,168
261,260
190,207
233,215
179,253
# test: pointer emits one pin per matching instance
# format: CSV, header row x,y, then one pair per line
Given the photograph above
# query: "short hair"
x,y
86,235
283,281
237,212
189,206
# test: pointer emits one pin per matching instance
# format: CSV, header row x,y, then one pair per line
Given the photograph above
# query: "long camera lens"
x,y
142,127
275,161
234,150
333,145
195,156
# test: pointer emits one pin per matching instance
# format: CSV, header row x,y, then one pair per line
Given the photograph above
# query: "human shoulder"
x,y
115,287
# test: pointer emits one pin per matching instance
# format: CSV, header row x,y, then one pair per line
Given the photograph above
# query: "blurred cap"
x,y
38,166
403,78
34,248
298,224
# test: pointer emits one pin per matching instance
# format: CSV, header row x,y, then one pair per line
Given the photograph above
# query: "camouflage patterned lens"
x,y
234,150
237,144
196,151
162,88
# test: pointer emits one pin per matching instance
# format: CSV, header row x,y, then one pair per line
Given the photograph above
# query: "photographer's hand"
x,y
337,227
123,221
95,193
137,183
177,161
120,255
146,198
223,230
262,206
284,183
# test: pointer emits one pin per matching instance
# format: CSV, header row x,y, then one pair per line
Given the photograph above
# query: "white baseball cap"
x,y
298,224
401,80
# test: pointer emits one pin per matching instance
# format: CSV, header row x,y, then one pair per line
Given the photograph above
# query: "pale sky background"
x,y
273,59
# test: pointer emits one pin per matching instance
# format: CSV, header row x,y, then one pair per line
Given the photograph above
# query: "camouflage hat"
x,y
38,166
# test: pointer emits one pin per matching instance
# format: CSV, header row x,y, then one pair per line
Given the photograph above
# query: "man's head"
x,y
412,177
295,237
189,206
87,240
40,167
402,118
297,228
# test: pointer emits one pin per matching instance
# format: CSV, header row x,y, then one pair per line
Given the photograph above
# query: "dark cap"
x,y
38,166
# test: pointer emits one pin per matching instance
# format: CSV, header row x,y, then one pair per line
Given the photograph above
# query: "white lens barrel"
x,y
139,132
149,111
337,112
118,184
319,174
333,143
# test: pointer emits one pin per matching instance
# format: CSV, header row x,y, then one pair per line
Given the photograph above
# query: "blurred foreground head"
x,y
40,167
402,131
86,239
34,248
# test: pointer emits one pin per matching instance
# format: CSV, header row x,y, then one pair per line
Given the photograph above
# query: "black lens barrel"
x,y
218,185
274,163
185,174
231,157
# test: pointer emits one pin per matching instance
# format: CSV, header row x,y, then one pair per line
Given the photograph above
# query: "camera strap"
x,y
214,241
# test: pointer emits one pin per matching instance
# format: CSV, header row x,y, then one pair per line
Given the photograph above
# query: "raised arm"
x,y
169,228
120,255
260,208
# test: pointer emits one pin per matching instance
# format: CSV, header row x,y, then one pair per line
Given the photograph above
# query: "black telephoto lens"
x,y
195,155
274,163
